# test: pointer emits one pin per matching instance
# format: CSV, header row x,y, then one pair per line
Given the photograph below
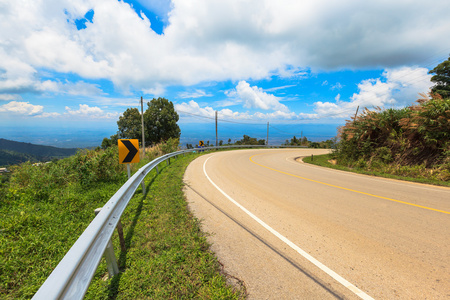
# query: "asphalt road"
x,y
289,230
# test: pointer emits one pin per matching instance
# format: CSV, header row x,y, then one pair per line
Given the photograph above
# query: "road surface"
x,y
289,230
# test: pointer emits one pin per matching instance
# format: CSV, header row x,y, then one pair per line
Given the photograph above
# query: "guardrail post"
x,y
143,187
312,157
111,262
157,171
168,161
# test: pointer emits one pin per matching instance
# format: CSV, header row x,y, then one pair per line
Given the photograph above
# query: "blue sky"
x,y
68,68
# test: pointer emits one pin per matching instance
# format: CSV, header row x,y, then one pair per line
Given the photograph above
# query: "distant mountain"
x,y
12,152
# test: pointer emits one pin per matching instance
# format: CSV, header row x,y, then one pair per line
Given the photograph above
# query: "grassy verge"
x,y
43,210
324,161
167,255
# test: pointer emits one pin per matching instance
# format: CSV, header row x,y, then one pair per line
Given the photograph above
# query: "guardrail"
x,y
72,276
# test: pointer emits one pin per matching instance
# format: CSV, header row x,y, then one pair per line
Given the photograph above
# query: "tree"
x,y
130,124
441,79
106,143
160,122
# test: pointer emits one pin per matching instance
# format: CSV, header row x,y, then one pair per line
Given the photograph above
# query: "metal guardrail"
x,y
72,276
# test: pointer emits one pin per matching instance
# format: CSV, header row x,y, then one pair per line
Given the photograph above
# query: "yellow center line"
x,y
347,189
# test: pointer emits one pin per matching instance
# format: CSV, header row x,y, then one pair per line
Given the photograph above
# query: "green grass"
x,y
43,210
324,161
167,256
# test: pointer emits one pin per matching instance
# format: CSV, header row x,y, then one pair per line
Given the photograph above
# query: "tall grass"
x,y
415,138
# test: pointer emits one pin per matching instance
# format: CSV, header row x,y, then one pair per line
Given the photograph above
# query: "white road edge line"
x,y
317,263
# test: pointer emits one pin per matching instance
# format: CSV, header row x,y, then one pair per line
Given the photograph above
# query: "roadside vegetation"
x,y
45,208
412,143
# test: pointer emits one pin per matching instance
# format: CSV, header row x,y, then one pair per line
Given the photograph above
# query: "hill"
x,y
12,152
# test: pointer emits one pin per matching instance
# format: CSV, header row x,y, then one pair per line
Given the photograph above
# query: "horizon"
x,y
191,133
68,70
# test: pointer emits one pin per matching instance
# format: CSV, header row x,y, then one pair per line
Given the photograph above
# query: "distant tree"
x,y
441,79
247,140
304,141
108,142
189,146
160,122
229,141
220,143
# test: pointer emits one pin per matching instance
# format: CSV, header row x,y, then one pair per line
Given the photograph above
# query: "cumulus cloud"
x,y
193,107
86,111
212,40
396,88
255,97
192,110
21,108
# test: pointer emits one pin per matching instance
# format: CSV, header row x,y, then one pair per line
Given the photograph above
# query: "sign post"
x,y
129,153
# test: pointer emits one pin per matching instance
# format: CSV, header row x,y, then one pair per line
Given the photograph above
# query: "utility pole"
x,y
216,131
267,141
142,119
354,118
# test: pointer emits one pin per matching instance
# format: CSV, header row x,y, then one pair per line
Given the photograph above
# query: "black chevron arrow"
x,y
132,150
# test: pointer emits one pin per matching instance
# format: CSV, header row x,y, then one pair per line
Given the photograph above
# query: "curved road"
x,y
289,230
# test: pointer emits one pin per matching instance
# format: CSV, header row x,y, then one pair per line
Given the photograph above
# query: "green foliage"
x,y
160,120
417,173
8,157
130,124
12,152
412,136
247,140
167,255
441,79
171,145
160,123
45,208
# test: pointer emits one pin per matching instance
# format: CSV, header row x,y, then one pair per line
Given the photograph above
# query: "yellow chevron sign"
x,y
128,151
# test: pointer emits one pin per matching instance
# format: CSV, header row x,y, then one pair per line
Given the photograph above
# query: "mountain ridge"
x,y
12,152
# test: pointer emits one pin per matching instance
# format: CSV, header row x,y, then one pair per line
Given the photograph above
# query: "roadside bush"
x,y
45,207
418,135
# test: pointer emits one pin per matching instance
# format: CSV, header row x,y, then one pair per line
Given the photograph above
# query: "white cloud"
x,y
254,97
196,94
400,87
192,107
397,88
279,88
9,97
21,108
192,110
337,86
212,40
85,111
